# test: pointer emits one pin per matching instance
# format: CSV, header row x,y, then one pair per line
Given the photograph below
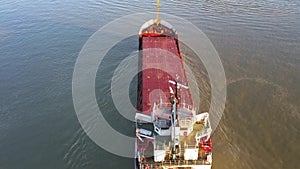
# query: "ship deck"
x,y
160,61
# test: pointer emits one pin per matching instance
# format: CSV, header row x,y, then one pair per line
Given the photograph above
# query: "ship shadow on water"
x,y
105,72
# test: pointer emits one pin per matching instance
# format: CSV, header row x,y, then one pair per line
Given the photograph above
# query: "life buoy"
x,y
206,148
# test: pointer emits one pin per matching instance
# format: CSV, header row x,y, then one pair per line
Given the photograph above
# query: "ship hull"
x,y
166,116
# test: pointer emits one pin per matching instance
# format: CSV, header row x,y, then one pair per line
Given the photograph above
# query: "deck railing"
x,y
174,163
180,105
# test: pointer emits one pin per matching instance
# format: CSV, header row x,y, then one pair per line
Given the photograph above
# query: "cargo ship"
x,y
170,133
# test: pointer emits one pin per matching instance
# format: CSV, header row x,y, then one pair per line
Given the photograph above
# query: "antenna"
x,y
157,11
178,84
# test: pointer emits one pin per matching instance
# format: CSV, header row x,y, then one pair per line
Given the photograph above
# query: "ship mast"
x,y
157,11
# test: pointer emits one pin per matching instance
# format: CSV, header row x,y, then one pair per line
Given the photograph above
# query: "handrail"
x,y
180,105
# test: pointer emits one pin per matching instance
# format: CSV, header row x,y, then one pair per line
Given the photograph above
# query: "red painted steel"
x,y
161,62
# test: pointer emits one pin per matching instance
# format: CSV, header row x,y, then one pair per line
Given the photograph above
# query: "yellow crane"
x,y
157,11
